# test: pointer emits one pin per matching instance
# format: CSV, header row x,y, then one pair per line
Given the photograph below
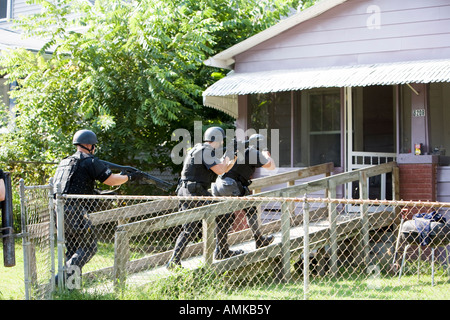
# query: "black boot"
x,y
180,246
264,241
253,222
224,224
220,255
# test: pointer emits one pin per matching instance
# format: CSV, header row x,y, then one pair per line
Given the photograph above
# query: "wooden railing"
x,y
158,206
208,214
290,177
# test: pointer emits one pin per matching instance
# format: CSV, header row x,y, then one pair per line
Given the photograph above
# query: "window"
x,y
439,100
272,111
324,108
308,124
5,9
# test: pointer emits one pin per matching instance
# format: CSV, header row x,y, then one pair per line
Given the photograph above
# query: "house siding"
x,y
352,33
443,181
20,7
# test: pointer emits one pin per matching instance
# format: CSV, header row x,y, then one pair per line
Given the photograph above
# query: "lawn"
x,y
12,278
205,285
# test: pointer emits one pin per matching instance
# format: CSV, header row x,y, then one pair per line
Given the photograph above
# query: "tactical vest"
x,y
194,168
65,175
243,171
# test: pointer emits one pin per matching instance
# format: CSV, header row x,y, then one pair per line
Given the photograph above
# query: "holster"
x,y
193,187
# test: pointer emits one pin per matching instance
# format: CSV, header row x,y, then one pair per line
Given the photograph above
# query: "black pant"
x,y
80,237
192,229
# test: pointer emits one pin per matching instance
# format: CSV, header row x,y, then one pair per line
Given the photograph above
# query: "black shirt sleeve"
x,y
98,170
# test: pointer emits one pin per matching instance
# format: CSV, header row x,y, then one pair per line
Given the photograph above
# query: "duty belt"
x,y
184,183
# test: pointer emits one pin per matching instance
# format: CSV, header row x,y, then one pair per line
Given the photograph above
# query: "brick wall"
x,y
418,182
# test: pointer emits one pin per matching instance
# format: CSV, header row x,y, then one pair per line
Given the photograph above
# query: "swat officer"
x,y
235,183
77,174
200,168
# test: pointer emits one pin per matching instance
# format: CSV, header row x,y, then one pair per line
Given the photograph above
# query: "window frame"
x,y
300,124
306,128
8,10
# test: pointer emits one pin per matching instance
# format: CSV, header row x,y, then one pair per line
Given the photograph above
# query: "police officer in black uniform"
x,y
200,168
235,183
77,175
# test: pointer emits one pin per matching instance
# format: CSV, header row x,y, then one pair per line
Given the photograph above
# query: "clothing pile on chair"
x,y
426,229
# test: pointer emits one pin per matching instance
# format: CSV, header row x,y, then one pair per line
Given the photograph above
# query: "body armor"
x,y
194,168
65,171
72,177
242,172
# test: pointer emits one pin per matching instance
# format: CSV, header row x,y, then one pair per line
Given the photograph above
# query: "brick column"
x,y
418,177
418,181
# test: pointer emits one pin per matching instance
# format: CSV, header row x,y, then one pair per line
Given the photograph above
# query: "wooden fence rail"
x,y
207,213
158,206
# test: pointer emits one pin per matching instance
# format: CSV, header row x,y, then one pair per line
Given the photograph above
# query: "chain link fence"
x,y
314,248
322,248
38,225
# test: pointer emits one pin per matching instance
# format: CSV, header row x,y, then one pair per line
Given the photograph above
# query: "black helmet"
x,y
84,137
214,134
257,140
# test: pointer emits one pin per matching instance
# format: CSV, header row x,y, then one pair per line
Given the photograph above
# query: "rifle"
x,y
164,185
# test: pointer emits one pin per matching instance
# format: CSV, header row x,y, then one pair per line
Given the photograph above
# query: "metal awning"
x,y
223,94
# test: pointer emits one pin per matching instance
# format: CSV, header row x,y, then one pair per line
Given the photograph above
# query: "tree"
x,y
132,71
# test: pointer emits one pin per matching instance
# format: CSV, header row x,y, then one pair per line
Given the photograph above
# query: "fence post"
x,y
60,237
208,238
305,249
363,195
286,241
9,251
332,216
51,207
395,184
121,256
25,239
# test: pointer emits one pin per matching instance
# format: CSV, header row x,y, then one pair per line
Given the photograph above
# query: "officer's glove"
x,y
134,176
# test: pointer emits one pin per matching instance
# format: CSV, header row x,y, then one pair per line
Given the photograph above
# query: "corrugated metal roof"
x,y
345,76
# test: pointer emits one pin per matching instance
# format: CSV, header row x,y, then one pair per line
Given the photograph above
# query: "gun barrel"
x,y
114,166
164,185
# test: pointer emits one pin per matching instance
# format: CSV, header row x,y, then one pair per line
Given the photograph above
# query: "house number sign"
x,y
419,113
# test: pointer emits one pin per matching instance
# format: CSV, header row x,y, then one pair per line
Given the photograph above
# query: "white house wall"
x,y
20,7
357,32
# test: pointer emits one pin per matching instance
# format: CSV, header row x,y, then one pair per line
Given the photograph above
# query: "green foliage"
x,y
132,71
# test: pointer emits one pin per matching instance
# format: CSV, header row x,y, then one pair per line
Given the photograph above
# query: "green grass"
x,y
12,278
206,285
